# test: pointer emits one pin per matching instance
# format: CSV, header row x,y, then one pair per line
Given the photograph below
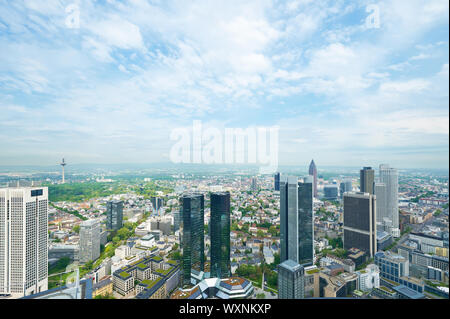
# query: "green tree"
x,y
76,229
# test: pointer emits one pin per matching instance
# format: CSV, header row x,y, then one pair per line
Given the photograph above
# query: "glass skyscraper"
x,y
220,235
277,181
367,179
313,173
192,211
360,226
114,215
389,176
296,220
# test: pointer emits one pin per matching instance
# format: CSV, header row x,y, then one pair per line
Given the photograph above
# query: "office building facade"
x,y
296,220
331,192
193,239
313,173
291,280
389,176
89,240
114,215
360,226
367,180
220,235
23,241
345,186
277,181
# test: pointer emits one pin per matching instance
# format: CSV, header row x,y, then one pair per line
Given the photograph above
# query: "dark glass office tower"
x,y
306,222
277,181
291,280
220,235
367,179
192,210
360,227
296,220
114,215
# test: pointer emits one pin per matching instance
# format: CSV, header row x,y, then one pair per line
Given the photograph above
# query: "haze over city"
x,y
111,86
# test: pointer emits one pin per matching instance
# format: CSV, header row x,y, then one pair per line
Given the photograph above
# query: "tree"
x,y
76,229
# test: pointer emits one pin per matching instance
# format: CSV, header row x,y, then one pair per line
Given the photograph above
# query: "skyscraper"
x,y
291,280
89,240
114,215
23,241
380,193
345,186
331,192
313,173
389,176
193,243
367,179
157,204
277,181
254,184
360,226
220,235
296,220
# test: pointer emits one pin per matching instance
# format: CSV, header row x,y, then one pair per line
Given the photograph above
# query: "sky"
x,y
348,83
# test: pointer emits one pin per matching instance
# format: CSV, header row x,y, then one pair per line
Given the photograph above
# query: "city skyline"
x,y
341,90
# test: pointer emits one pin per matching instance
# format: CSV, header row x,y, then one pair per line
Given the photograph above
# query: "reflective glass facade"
x,y
114,213
296,214
220,235
192,210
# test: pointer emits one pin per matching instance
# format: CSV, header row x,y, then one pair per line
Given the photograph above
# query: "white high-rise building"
x,y
380,193
368,278
389,177
89,240
23,241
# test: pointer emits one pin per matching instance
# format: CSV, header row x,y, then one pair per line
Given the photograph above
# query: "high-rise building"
x,y
23,241
220,235
254,184
277,181
331,192
114,215
313,173
345,186
291,280
193,240
157,204
367,179
389,176
380,193
360,226
296,220
89,240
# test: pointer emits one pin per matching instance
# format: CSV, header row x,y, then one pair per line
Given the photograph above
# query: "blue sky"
x,y
112,90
